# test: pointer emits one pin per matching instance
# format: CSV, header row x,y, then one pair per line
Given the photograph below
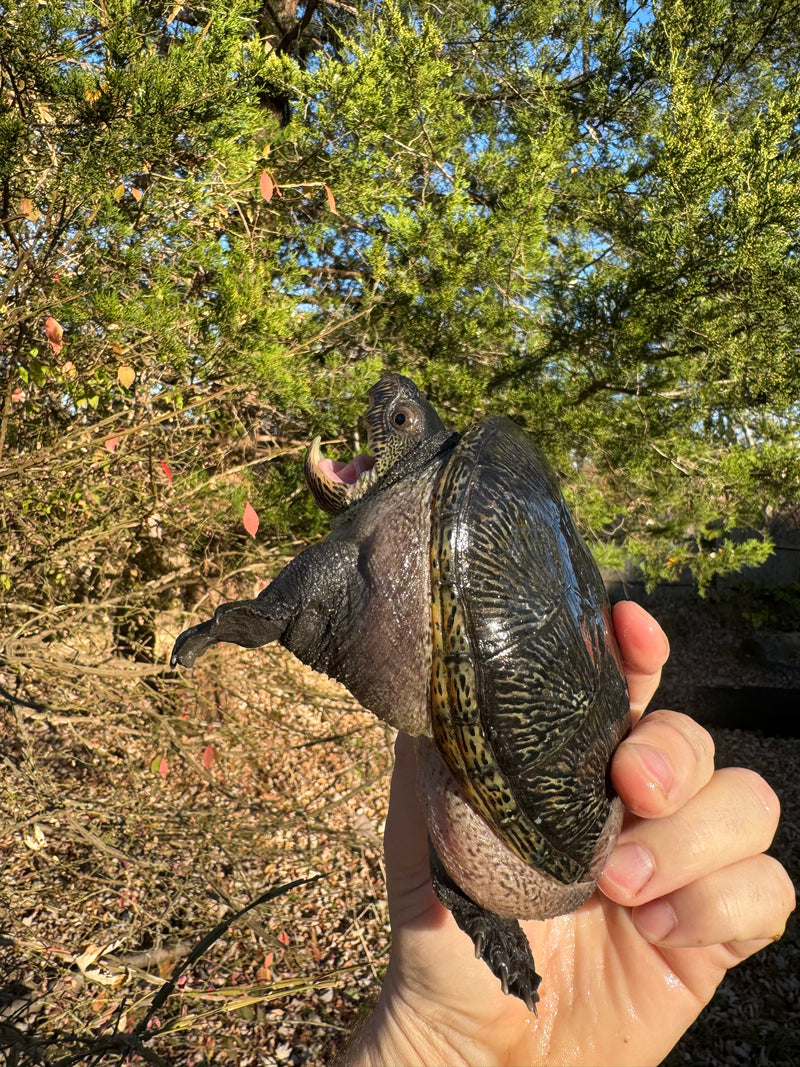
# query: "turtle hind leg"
x,y
499,942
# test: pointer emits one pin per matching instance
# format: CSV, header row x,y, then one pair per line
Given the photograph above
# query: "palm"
x,y
596,963
596,968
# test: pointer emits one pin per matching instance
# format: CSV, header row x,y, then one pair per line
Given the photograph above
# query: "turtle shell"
x,y
528,697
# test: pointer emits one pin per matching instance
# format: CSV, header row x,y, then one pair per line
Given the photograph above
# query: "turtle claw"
x,y
499,942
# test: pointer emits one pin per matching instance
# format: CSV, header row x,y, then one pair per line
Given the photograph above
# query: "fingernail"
x,y
629,868
656,920
657,768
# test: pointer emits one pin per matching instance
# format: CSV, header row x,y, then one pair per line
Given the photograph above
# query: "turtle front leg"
x,y
239,622
499,942
304,608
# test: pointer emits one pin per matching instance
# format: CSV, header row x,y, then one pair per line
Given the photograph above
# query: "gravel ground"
x,y
754,1018
264,782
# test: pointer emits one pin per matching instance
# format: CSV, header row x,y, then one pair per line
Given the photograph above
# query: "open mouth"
x,y
335,485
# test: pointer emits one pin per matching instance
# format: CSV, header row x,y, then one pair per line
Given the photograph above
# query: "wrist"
x,y
398,1032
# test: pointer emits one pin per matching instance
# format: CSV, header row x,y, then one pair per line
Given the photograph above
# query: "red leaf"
x,y
283,937
112,443
266,185
329,198
53,331
166,470
250,519
208,757
159,766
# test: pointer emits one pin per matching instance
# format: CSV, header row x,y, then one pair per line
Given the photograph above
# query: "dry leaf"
x,y
126,375
54,332
136,193
86,964
166,469
111,443
330,199
208,757
36,840
27,208
266,185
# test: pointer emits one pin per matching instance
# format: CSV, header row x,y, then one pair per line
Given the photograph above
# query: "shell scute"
x,y
528,701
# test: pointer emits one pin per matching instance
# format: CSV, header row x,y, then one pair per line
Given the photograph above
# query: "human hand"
x,y
618,987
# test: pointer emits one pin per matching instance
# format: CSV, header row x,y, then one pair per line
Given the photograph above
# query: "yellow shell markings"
x,y
455,715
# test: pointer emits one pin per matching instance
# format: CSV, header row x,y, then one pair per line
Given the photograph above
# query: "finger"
x,y
744,904
665,760
731,819
645,650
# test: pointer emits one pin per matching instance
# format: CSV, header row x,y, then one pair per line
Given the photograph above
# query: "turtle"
x,y
456,600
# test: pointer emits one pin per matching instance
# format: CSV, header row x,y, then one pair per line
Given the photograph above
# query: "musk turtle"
x,y
455,599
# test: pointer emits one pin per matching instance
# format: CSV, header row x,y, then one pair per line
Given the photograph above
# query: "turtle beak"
x,y
336,485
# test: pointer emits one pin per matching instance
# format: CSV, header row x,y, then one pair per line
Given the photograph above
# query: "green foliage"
x,y
584,215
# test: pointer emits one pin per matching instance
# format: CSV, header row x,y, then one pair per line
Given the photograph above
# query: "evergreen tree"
x,y
583,214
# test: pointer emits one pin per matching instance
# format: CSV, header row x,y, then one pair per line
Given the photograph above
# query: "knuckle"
x,y
756,795
690,732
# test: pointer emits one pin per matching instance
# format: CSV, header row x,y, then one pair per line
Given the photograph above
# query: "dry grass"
x,y
116,864
139,810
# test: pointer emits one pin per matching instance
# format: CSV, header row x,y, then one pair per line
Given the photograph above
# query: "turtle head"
x,y
399,419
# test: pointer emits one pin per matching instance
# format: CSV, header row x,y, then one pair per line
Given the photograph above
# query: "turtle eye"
x,y
404,419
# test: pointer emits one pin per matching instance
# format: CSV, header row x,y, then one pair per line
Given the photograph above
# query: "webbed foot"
x,y
499,942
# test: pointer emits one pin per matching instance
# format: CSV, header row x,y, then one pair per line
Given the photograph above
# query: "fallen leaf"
x,y
136,193
36,840
119,192
165,468
250,520
283,937
126,375
208,757
111,443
